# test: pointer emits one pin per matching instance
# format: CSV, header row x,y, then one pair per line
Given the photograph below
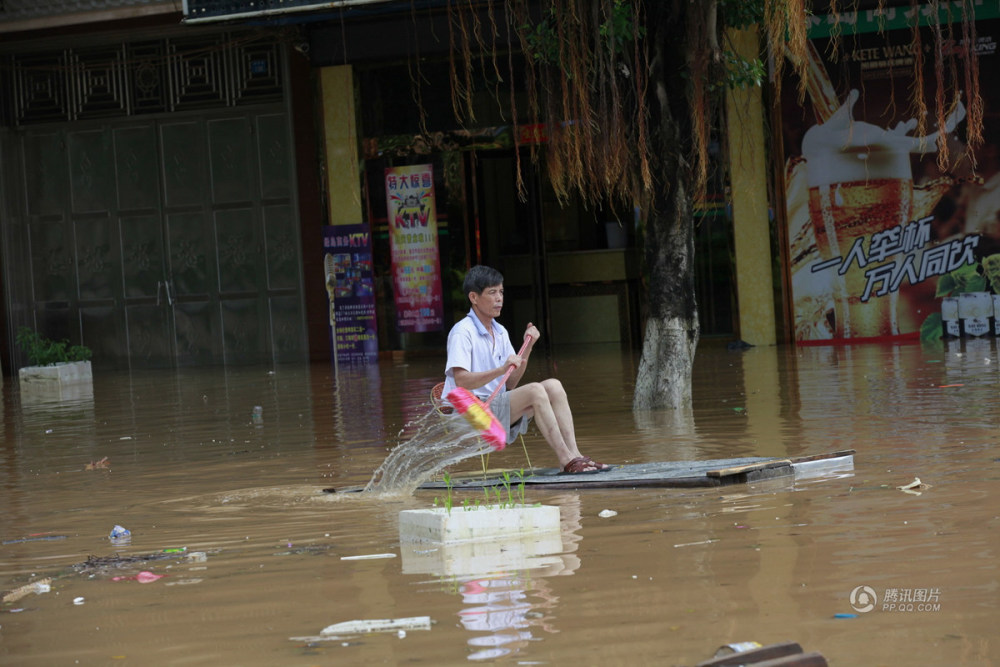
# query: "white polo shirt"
x,y
471,347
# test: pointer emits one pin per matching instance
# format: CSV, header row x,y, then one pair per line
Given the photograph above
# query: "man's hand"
x,y
532,331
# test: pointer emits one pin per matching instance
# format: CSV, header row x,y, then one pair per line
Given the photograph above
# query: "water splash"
x,y
439,441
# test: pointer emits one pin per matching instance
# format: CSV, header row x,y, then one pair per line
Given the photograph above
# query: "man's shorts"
x,y
500,407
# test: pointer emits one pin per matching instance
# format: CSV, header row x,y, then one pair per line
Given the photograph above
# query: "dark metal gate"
x,y
156,235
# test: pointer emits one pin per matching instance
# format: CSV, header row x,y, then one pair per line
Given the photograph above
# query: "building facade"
x,y
165,178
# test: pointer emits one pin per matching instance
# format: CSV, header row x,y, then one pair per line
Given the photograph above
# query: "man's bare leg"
x,y
562,412
547,403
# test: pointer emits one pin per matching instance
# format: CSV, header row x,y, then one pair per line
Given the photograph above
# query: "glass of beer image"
x,y
860,183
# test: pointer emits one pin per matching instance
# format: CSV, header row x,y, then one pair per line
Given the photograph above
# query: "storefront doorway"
x,y
153,220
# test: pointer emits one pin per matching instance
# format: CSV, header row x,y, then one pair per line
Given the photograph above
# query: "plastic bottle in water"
x,y
119,533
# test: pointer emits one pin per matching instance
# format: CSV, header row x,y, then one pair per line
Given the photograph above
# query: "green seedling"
x,y
448,498
43,351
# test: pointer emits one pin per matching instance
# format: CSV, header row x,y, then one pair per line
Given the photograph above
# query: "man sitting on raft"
x,y
480,352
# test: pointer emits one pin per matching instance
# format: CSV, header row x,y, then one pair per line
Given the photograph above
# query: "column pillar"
x,y
340,132
748,179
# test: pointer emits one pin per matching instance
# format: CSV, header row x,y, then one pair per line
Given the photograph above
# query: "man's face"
x,y
489,302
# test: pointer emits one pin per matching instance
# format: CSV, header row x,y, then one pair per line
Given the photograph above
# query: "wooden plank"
x,y
773,469
820,457
736,470
765,473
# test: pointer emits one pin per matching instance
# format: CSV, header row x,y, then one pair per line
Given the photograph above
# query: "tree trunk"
x,y
671,336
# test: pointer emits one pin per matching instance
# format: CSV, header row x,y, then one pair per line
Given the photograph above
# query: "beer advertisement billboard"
x,y
892,214
413,246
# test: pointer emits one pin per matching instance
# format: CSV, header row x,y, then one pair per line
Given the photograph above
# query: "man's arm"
x,y
470,380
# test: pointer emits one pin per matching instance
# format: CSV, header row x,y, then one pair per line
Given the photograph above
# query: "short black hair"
x,y
479,278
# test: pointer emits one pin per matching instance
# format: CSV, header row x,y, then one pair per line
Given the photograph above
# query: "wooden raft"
x,y
665,474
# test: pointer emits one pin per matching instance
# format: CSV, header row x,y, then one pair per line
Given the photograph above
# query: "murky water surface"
x,y
674,575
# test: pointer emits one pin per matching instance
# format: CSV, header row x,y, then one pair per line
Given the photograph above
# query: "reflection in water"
x,y
46,395
502,606
676,427
502,581
357,398
498,607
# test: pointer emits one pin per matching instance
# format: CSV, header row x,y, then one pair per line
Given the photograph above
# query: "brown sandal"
x,y
581,465
601,467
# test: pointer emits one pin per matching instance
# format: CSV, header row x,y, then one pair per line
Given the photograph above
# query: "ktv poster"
x,y
886,240
413,244
350,288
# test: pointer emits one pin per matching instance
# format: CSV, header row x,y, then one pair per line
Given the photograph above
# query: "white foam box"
x,y
526,551
69,381
438,524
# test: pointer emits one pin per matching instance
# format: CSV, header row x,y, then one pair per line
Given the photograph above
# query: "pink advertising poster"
x,y
413,243
892,214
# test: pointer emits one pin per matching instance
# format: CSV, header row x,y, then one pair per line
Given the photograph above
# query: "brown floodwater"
x,y
670,578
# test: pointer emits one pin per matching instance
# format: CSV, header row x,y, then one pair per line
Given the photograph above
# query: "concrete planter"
x,y
481,523
71,379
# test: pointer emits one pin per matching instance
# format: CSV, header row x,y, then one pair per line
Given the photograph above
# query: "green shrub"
x,y
45,352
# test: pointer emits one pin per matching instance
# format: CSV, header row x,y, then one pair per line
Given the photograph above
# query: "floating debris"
x,y
313,549
694,544
97,465
915,487
752,653
144,577
368,557
605,514
97,565
185,582
120,535
736,647
36,587
35,538
337,631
